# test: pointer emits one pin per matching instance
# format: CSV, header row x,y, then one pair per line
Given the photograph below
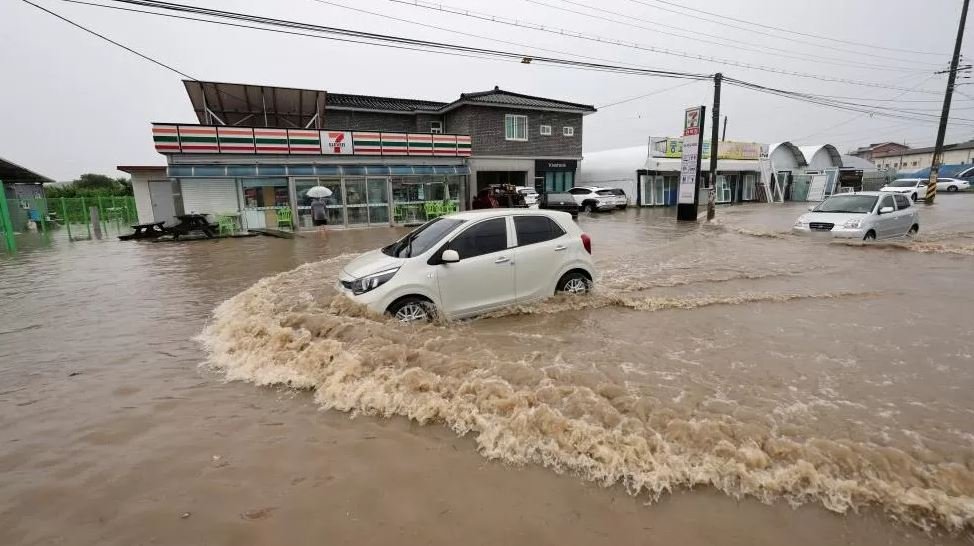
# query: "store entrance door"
x,y
356,204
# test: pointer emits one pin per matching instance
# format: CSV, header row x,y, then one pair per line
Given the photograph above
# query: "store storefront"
x,y
264,195
554,175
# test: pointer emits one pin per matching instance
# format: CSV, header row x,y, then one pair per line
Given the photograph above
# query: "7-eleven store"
x,y
376,178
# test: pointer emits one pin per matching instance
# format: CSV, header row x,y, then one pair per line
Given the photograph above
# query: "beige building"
x,y
915,159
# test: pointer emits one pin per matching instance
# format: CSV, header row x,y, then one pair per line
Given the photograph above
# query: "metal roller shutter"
x,y
209,195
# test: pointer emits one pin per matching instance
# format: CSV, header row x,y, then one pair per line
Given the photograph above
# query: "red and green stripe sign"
x,y
366,143
166,138
197,138
235,140
301,141
463,145
420,144
395,144
271,141
445,145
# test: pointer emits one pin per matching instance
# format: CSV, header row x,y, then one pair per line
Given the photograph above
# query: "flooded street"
x,y
726,383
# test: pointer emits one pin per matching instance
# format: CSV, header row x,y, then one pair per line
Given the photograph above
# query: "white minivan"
x,y
473,262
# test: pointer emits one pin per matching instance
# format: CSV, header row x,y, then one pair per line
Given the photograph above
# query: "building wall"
x,y
143,204
913,162
485,125
343,120
885,149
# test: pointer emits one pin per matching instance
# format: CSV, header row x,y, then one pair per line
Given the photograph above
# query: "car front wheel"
x,y
412,309
952,188
870,236
913,231
574,283
914,197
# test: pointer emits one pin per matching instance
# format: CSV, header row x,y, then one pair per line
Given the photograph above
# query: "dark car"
x,y
564,202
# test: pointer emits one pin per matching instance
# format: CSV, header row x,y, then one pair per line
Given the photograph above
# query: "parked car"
x,y
564,202
530,195
917,187
621,199
471,263
867,215
590,200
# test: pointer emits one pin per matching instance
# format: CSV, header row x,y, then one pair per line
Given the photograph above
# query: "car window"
x,y
605,193
860,204
536,229
901,202
422,238
483,238
578,191
904,183
886,202
617,191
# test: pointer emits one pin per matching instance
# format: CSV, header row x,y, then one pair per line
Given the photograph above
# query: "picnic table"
x,y
189,223
145,231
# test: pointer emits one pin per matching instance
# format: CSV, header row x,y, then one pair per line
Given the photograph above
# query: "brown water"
x,y
721,375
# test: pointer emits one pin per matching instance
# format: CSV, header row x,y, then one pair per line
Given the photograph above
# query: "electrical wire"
x,y
695,36
779,29
650,94
627,18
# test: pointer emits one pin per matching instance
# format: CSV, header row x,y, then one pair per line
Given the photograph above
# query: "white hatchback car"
x,y
867,215
916,188
471,263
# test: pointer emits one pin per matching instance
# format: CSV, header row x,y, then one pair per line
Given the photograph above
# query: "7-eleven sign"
x,y
336,142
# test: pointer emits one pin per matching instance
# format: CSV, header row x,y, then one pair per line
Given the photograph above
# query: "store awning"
x,y
277,170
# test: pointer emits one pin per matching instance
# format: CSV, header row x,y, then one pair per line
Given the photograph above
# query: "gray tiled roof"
x,y
367,102
507,98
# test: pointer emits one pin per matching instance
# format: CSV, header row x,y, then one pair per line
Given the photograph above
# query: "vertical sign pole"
x,y
938,150
688,197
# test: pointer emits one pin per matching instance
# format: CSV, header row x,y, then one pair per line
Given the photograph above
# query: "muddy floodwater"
x,y
725,384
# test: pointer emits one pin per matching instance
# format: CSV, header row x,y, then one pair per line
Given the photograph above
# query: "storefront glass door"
x,y
356,206
333,205
723,189
659,191
378,200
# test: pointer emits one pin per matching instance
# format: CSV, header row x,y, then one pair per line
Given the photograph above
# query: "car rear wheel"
x,y
574,283
588,207
951,188
870,236
412,309
914,197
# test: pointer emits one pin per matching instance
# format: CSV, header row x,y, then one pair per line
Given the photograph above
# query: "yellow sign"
x,y
673,147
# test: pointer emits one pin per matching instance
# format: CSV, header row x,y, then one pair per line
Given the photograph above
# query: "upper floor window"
x,y
545,130
568,131
515,127
436,127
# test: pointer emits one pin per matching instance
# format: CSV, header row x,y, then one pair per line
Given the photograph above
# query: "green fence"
x,y
73,214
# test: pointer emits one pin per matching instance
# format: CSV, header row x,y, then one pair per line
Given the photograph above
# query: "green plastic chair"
x,y
226,224
432,211
451,207
284,218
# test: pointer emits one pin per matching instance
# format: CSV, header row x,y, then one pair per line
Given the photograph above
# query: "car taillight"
x,y
587,243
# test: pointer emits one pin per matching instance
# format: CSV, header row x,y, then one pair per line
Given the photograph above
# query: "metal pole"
x,y
67,221
5,224
85,217
945,113
714,133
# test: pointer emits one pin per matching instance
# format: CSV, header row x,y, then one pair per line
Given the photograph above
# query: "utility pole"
x,y
942,131
714,133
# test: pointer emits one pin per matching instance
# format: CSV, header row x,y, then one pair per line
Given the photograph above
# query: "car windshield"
x,y
858,204
903,184
422,238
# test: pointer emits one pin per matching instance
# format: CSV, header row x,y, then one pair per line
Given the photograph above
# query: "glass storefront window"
x,y
262,198
334,205
378,200
356,207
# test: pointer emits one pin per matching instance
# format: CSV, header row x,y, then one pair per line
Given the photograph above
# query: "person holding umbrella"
x,y
319,211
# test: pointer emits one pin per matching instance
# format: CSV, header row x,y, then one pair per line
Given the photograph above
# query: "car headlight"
x,y
373,281
801,223
854,224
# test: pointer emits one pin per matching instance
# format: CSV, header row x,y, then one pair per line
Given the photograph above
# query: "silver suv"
x,y
593,198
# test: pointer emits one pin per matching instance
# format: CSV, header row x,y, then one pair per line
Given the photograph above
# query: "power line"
x,y
650,94
779,29
746,46
627,17
109,40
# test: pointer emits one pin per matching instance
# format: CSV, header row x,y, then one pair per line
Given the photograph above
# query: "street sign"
x,y
690,161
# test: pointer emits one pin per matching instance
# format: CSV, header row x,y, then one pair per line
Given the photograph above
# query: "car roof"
x,y
487,213
872,193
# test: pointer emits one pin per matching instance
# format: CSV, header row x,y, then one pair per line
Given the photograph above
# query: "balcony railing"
x,y
219,139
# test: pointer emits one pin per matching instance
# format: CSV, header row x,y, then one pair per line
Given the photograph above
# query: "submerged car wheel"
x,y
914,197
574,283
951,188
870,236
412,309
588,207
913,231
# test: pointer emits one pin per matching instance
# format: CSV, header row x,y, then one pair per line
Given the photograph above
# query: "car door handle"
x,y
559,248
502,259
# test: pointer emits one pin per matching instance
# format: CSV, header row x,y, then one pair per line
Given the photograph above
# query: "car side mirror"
x,y
886,210
450,256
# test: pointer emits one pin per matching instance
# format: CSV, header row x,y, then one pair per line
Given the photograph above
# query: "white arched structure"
x,y
821,156
785,156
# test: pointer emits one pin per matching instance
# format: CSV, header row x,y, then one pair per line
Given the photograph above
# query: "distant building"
x,y
913,159
257,150
880,148
24,191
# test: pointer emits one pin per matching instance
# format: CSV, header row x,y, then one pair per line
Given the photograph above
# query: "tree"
x,y
91,185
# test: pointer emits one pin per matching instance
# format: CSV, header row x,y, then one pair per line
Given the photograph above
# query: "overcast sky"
x,y
72,103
